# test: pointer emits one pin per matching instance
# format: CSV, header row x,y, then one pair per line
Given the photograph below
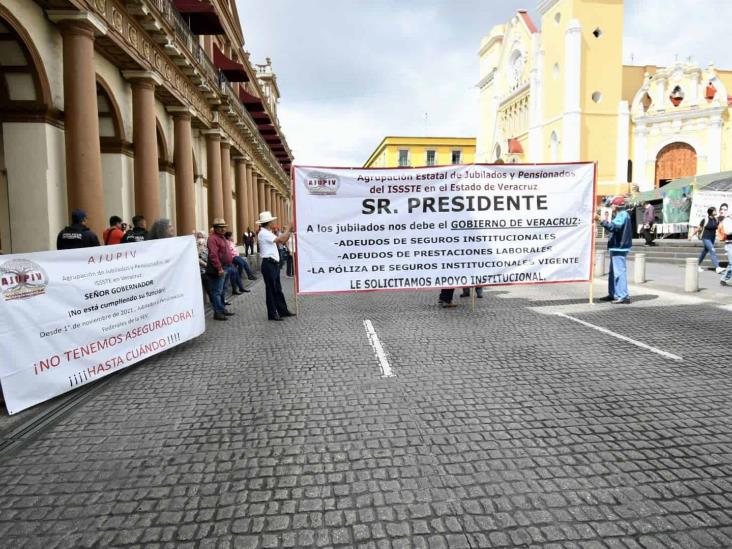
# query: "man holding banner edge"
x,y
267,244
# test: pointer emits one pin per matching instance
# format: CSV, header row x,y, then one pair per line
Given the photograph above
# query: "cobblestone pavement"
x,y
503,426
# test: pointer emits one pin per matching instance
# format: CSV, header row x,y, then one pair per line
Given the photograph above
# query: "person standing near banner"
x,y
267,244
138,232
76,235
619,244
115,233
248,240
219,259
649,219
445,299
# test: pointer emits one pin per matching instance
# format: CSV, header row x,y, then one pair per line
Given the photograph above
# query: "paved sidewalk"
x,y
671,278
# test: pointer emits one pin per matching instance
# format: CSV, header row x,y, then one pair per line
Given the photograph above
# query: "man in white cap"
x,y
267,243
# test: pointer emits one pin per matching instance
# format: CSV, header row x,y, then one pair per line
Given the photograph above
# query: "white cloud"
x,y
658,32
354,71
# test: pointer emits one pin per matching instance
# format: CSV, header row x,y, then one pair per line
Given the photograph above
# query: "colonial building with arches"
x,y
124,107
559,92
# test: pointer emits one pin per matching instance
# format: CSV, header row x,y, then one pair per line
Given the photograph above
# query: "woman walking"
x,y
708,233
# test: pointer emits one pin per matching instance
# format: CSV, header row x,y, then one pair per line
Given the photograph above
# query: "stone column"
x,y
240,176
268,196
226,185
185,198
253,203
83,156
213,164
261,193
248,220
145,143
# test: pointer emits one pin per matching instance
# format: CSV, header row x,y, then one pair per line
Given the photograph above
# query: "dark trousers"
x,y
648,235
446,295
276,305
248,248
290,266
234,275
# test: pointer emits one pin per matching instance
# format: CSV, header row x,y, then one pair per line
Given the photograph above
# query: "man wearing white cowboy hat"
x,y
267,243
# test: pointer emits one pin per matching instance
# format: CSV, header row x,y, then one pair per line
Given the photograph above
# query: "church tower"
x,y
581,78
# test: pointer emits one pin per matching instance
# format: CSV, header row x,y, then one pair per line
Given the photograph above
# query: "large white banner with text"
x,y
74,316
447,226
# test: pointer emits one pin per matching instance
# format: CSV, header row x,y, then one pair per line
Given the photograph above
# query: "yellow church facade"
x,y
559,92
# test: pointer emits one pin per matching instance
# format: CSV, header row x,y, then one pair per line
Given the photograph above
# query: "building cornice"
x,y
492,40
515,94
90,18
487,79
690,114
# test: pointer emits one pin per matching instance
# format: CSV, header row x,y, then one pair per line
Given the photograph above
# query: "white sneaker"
x,y
720,270
700,269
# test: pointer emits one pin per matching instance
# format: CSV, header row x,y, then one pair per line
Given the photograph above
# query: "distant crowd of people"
x,y
223,269
79,235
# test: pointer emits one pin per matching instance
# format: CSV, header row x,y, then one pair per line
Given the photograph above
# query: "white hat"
x,y
265,217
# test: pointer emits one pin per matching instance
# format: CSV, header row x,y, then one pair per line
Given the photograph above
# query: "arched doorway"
x,y
24,97
166,175
115,154
674,161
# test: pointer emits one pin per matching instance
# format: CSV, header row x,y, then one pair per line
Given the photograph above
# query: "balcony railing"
x,y
183,33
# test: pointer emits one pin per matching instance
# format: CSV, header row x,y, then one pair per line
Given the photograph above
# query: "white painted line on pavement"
x,y
386,370
624,338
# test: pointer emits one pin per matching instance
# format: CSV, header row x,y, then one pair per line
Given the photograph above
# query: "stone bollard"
x,y
639,268
691,282
599,262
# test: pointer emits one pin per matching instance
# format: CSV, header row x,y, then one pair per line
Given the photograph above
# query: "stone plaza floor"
x,y
516,423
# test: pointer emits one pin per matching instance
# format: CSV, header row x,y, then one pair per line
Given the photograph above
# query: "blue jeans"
x,y
233,273
242,264
727,275
709,247
216,283
617,278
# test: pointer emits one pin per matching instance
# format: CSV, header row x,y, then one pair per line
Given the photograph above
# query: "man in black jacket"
x,y
76,235
138,232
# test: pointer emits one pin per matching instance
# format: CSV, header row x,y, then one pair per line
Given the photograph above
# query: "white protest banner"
x,y
447,226
74,316
702,200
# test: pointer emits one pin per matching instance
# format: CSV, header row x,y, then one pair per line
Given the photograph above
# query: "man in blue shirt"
x,y
619,244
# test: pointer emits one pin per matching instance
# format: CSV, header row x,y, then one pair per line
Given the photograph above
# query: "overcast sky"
x,y
354,71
